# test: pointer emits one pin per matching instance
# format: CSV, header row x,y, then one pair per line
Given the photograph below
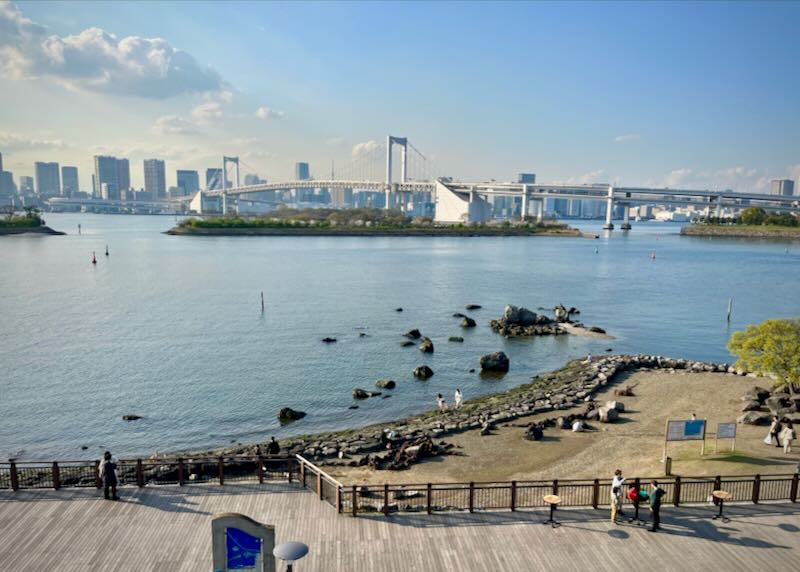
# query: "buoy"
x,y
94,258
106,250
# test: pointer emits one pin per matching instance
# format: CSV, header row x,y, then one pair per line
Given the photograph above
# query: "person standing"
x,y
273,448
108,475
617,483
615,502
655,505
457,398
440,403
787,436
775,431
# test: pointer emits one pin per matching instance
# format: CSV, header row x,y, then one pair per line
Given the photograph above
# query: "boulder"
x,y
426,345
385,384
131,417
459,315
406,343
328,340
754,418
751,405
468,322
607,415
513,315
398,309
455,339
288,414
618,405
596,330
473,306
423,372
359,393
496,361
756,393
778,401
413,334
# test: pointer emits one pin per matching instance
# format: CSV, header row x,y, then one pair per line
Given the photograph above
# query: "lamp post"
x,y
289,552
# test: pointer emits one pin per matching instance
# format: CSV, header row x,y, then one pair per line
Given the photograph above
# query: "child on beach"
x,y
440,403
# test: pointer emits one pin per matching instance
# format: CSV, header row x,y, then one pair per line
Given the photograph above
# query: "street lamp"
x,y
289,552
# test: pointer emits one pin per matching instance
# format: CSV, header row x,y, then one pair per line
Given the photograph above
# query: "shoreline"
x,y
9,231
742,231
411,232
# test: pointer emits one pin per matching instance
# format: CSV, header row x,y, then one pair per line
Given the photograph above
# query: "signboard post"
x,y
685,430
726,431
241,543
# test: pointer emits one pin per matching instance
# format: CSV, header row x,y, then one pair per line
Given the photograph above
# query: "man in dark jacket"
x,y
108,474
655,505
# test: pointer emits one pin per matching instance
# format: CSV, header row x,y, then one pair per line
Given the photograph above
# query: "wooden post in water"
x,y
262,301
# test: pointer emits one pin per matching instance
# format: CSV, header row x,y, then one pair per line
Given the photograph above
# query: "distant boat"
x,y
94,258
106,250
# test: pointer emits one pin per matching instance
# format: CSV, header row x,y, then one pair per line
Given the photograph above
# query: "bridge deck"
x,y
168,530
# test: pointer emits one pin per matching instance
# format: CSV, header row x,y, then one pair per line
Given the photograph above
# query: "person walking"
x,y
617,483
108,475
787,436
774,432
655,505
457,398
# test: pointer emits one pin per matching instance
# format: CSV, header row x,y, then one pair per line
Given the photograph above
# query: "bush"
x,y
753,215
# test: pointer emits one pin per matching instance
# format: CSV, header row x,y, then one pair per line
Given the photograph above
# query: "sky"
x,y
692,95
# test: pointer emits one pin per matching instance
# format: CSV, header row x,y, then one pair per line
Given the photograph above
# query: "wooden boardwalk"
x,y
168,529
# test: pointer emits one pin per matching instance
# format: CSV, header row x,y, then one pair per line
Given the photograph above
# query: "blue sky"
x,y
679,94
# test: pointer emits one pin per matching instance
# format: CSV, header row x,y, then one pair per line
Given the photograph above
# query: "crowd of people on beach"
x,y
781,434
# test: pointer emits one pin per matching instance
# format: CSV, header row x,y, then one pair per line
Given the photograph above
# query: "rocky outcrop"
x,y
496,361
359,393
426,345
385,384
423,372
413,334
473,306
468,322
287,414
518,321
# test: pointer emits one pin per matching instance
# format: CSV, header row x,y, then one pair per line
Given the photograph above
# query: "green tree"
x,y
753,215
770,347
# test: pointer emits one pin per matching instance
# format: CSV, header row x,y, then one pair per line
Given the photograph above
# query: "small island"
x,y
357,222
753,222
30,222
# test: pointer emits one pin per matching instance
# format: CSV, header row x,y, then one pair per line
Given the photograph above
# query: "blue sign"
x,y
694,428
242,549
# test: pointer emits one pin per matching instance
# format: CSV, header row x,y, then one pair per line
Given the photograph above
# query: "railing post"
x,y
180,472
555,486
717,483
355,500
221,466
319,484
756,488
430,498
289,466
98,482
677,491
793,490
385,499
596,493
471,497
338,499
260,470
14,477
56,476
139,473
513,496
303,474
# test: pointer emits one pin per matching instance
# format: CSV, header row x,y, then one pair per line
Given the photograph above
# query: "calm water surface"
x,y
171,328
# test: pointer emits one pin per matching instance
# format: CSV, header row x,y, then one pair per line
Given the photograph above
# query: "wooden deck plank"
x,y
168,529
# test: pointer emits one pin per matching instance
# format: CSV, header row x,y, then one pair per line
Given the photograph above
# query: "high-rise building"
x,y
188,182
7,187
111,177
301,172
526,178
784,187
69,181
252,180
155,178
48,180
25,184
213,179
123,175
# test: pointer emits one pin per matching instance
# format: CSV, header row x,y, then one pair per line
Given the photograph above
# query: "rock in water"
x,y
473,306
459,315
455,339
426,345
497,361
398,309
131,417
468,322
288,414
413,334
359,393
423,372
385,384
406,343
328,340
512,315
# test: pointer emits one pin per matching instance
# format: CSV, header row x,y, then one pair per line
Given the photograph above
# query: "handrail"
x,y
314,467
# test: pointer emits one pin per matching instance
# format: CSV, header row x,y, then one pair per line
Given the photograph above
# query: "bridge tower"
x,y
403,142
234,161
609,209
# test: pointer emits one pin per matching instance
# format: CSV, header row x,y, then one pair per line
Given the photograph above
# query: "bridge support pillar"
x,y
539,210
524,210
224,204
609,209
626,217
388,199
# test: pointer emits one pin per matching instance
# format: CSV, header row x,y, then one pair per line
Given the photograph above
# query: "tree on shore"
x,y
753,215
772,347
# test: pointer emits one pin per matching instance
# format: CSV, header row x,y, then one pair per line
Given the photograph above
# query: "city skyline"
x,y
637,107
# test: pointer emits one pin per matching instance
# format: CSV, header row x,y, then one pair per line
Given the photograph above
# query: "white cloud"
x,y
98,61
629,137
676,177
741,179
365,148
589,178
173,125
16,142
207,112
268,113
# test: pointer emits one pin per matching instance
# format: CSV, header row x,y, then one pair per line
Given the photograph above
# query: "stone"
x,y
607,415
406,344
398,309
618,405
359,393
468,322
519,316
426,345
754,418
413,334
328,340
496,361
755,393
423,372
751,405
455,339
778,401
287,414
385,384
596,330
131,417
362,335
459,315
353,407
473,306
